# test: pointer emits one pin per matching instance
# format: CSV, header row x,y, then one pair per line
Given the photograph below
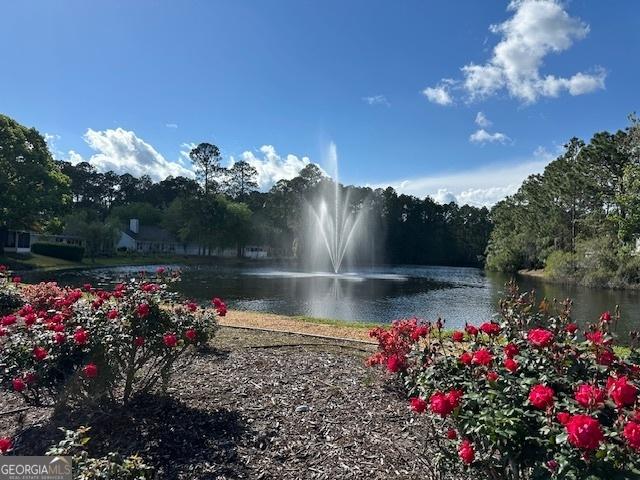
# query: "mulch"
x,y
260,405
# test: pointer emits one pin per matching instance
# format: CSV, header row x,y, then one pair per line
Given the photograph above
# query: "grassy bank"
x,y
33,261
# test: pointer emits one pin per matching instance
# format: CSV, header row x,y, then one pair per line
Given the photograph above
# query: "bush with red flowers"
x,y
527,397
99,345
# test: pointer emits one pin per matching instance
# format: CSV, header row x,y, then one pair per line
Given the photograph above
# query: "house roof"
x,y
151,234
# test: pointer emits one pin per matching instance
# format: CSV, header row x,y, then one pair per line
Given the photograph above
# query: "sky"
x,y
457,100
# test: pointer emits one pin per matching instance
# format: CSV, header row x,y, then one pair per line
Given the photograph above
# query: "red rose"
x,y
87,287
90,370
40,353
191,335
143,310
584,432
192,306
471,330
482,357
631,434
454,397
589,396
217,302
112,314
511,365
418,405
3,332
417,333
59,338
571,328
16,279
440,403
452,434
30,319
81,337
170,340
492,376
606,357
465,358
138,341
457,336
621,391
552,465
511,350
563,417
541,396
466,452
540,337
8,320
490,328
18,384
5,444
605,317
596,338
150,287
395,363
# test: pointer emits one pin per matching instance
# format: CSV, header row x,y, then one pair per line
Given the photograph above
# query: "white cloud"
x,y
482,120
439,94
171,125
536,29
479,187
74,157
377,100
52,139
122,151
481,136
272,167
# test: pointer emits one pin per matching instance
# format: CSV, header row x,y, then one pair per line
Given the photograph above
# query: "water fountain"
x,y
334,226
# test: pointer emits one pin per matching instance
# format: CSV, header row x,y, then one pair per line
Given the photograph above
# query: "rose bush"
x,y
97,345
526,397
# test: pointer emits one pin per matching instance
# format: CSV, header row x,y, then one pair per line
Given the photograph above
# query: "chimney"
x,y
134,225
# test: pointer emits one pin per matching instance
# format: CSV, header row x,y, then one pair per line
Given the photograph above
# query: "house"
x,y
152,239
17,241
20,241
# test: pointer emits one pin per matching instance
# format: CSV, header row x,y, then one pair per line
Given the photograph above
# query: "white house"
x,y
20,241
152,239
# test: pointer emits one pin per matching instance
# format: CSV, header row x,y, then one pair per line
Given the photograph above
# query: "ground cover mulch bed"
x,y
257,406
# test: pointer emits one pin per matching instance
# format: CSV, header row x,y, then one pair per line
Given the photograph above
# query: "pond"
x,y
381,294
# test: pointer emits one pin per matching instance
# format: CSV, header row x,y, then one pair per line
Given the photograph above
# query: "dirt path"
x,y
282,323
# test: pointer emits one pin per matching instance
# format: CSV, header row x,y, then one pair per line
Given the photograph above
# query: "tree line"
x,y
222,207
580,218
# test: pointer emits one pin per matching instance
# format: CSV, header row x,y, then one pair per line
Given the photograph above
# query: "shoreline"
x,y
534,273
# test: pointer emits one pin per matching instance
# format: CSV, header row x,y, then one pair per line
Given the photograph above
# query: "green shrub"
x,y
112,467
59,250
560,265
10,298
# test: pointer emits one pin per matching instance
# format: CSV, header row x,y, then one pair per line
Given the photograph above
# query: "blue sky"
x,y
398,86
